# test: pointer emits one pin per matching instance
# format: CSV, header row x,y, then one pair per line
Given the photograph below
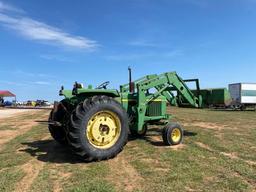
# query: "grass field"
x,y
218,154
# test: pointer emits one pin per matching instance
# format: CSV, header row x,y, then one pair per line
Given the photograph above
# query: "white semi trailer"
x,y
243,95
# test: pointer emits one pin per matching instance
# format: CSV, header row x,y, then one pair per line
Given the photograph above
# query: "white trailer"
x,y
243,94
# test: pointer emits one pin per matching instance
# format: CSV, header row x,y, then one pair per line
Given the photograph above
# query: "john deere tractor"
x,y
95,122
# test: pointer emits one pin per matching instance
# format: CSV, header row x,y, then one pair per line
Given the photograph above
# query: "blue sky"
x,y
45,44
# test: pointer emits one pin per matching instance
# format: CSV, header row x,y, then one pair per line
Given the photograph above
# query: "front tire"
x,y
99,129
172,134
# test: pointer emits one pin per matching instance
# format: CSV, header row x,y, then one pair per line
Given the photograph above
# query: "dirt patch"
x,y
158,166
189,189
23,116
250,162
11,112
31,169
7,135
209,178
57,187
157,142
234,156
230,155
204,146
207,125
237,174
22,125
123,174
18,125
219,135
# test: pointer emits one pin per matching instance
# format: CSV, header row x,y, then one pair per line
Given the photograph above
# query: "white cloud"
x,y
174,53
56,58
142,43
132,56
42,83
28,74
12,83
26,83
5,7
39,31
148,55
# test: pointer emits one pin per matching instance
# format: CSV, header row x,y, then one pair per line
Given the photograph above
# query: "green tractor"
x,y
95,123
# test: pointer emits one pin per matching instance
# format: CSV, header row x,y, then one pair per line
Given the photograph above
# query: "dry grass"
x,y
218,154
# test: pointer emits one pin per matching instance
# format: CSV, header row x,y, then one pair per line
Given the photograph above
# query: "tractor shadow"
x,y
50,151
154,137
233,110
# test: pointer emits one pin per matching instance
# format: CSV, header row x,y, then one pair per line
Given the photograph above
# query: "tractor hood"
x,y
82,91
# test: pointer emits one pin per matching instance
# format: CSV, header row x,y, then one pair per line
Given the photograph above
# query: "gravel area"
x,y
4,113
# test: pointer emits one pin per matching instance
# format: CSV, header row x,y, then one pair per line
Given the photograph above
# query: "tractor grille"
x,y
156,108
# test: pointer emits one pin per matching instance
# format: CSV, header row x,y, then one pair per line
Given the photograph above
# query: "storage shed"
x,y
5,94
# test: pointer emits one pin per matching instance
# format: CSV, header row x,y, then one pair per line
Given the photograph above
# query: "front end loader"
x,y
95,122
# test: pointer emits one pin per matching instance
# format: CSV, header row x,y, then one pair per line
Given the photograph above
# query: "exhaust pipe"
x,y
131,84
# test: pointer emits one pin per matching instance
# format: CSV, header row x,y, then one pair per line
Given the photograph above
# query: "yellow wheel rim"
x,y
103,129
175,135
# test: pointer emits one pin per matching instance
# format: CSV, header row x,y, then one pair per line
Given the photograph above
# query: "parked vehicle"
x,y
42,103
243,95
8,103
30,103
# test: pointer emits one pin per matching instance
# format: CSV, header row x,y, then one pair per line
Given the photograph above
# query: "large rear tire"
x,y
99,129
58,132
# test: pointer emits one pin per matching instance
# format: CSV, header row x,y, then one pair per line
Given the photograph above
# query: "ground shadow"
x,y
156,132
50,151
189,133
232,110
153,142
150,132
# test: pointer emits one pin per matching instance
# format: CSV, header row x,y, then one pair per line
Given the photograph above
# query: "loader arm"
x,y
164,84
167,82
167,94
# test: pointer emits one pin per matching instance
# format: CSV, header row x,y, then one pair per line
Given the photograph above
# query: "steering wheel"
x,y
103,85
